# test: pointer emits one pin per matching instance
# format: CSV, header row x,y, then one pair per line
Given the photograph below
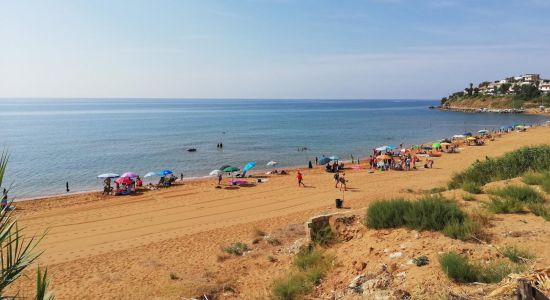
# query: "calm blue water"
x,y
54,141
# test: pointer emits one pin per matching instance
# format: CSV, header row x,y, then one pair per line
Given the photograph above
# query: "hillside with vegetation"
x,y
528,92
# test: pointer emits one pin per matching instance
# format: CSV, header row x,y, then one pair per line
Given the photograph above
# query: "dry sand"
x,y
105,247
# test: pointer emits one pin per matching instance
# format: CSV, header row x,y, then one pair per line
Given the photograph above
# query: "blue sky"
x,y
367,49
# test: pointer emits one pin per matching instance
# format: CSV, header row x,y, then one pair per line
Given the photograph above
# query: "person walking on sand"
x,y
300,179
219,179
316,161
343,181
310,165
336,179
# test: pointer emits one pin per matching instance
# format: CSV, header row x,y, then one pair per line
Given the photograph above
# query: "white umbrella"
x,y
272,163
151,174
108,175
458,136
216,173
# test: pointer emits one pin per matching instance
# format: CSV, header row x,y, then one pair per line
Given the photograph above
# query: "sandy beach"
x,y
106,247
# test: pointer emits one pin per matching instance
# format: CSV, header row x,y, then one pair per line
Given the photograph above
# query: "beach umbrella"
x,y
471,138
445,144
458,136
151,174
249,166
324,160
467,133
382,148
483,131
272,163
415,147
223,167
427,148
216,172
165,172
108,175
334,157
129,175
391,147
123,180
436,145
231,169
382,157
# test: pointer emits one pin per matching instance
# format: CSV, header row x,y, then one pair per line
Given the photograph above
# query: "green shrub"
x,y
432,213
387,213
523,194
458,268
468,197
540,210
504,206
437,190
462,230
532,178
545,185
237,248
291,288
308,258
471,187
310,266
510,165
516,255
323,237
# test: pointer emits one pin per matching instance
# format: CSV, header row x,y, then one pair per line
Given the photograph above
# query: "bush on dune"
x,y
428,213
534,178
504,206
510,165
459,269
524,194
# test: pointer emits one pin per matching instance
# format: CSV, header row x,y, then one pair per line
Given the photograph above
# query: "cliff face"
x,y
493,102
483,102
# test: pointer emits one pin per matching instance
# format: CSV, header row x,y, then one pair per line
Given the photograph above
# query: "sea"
x,y
54,141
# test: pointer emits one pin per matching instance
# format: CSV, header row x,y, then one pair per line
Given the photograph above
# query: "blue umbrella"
x,y
467,133
324,160
165,172
249,166
391,147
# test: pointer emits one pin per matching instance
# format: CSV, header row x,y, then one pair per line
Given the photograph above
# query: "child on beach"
x,y
300,178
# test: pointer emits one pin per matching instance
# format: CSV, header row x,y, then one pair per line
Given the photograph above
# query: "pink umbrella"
x,y
123,180
129,175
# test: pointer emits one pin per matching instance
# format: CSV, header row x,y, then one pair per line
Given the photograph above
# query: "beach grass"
x,y
524,194
468,197
517,255
510,165
434,213
471,187
504,205
309,268
460,270
237,249
324,237
533,178
540,210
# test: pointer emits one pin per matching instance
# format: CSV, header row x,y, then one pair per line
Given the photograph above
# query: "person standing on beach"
x,y
300,178
310,165
67,186
343,181
219,179
316,161
336,179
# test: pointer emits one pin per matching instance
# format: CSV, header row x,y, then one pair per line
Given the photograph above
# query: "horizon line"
x,y
214,98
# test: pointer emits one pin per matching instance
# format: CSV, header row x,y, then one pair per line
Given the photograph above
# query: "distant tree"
x,y
443,100
526,92
476,91
484,83
471,89
503,89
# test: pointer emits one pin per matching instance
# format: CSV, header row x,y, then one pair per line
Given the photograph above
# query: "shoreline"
x,y
207,178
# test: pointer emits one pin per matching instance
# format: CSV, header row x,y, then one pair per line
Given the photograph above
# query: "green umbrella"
x,y
231,169
415,147
436,145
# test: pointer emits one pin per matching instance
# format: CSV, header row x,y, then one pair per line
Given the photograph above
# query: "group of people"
x,y
334,167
